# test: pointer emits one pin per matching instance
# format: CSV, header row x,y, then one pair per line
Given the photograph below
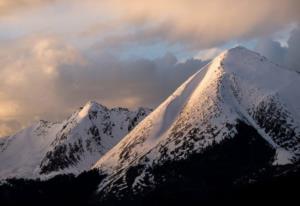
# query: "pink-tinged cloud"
x,y
54,72
205,23
197,23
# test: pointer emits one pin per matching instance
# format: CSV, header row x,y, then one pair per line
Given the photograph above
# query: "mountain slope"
x,y
47,149
239,96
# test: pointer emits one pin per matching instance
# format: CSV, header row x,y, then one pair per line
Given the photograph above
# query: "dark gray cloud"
x,y
286,56
293,52
272,49
131,83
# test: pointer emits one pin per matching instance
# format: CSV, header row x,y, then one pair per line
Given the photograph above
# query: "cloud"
x,y
197,24
293,53
204,24
8,127
8,6
130,83
75,55
45,78
28,73
288,56
208,53
272,49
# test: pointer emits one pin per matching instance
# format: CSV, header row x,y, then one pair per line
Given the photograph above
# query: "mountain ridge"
x,y
237,86
48,149
229,133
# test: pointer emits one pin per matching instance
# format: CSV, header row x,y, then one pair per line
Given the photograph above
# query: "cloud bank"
x,y
52,79
208,23
196,24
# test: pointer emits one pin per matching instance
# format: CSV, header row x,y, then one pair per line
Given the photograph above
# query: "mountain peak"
x,y
253,67
94,105
70,146
239,53
91,106
238,85
240,49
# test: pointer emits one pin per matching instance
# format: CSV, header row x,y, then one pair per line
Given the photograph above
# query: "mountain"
x,y
235,120
72,146
229,135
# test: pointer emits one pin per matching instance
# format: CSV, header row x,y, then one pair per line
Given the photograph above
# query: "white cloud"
x,y
208,53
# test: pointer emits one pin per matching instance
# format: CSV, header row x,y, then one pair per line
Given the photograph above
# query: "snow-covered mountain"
x,y
237,115
229,134
72,146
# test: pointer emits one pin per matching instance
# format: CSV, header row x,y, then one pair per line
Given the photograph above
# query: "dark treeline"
x,y
71,190
60,190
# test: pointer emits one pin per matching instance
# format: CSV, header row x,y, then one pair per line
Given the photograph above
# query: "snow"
x,y
282,157
88,107
229,89
260,79
177,101
235,86
157,125
24,150
22,154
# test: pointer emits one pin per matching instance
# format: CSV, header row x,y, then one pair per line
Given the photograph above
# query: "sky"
x,y
55,55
